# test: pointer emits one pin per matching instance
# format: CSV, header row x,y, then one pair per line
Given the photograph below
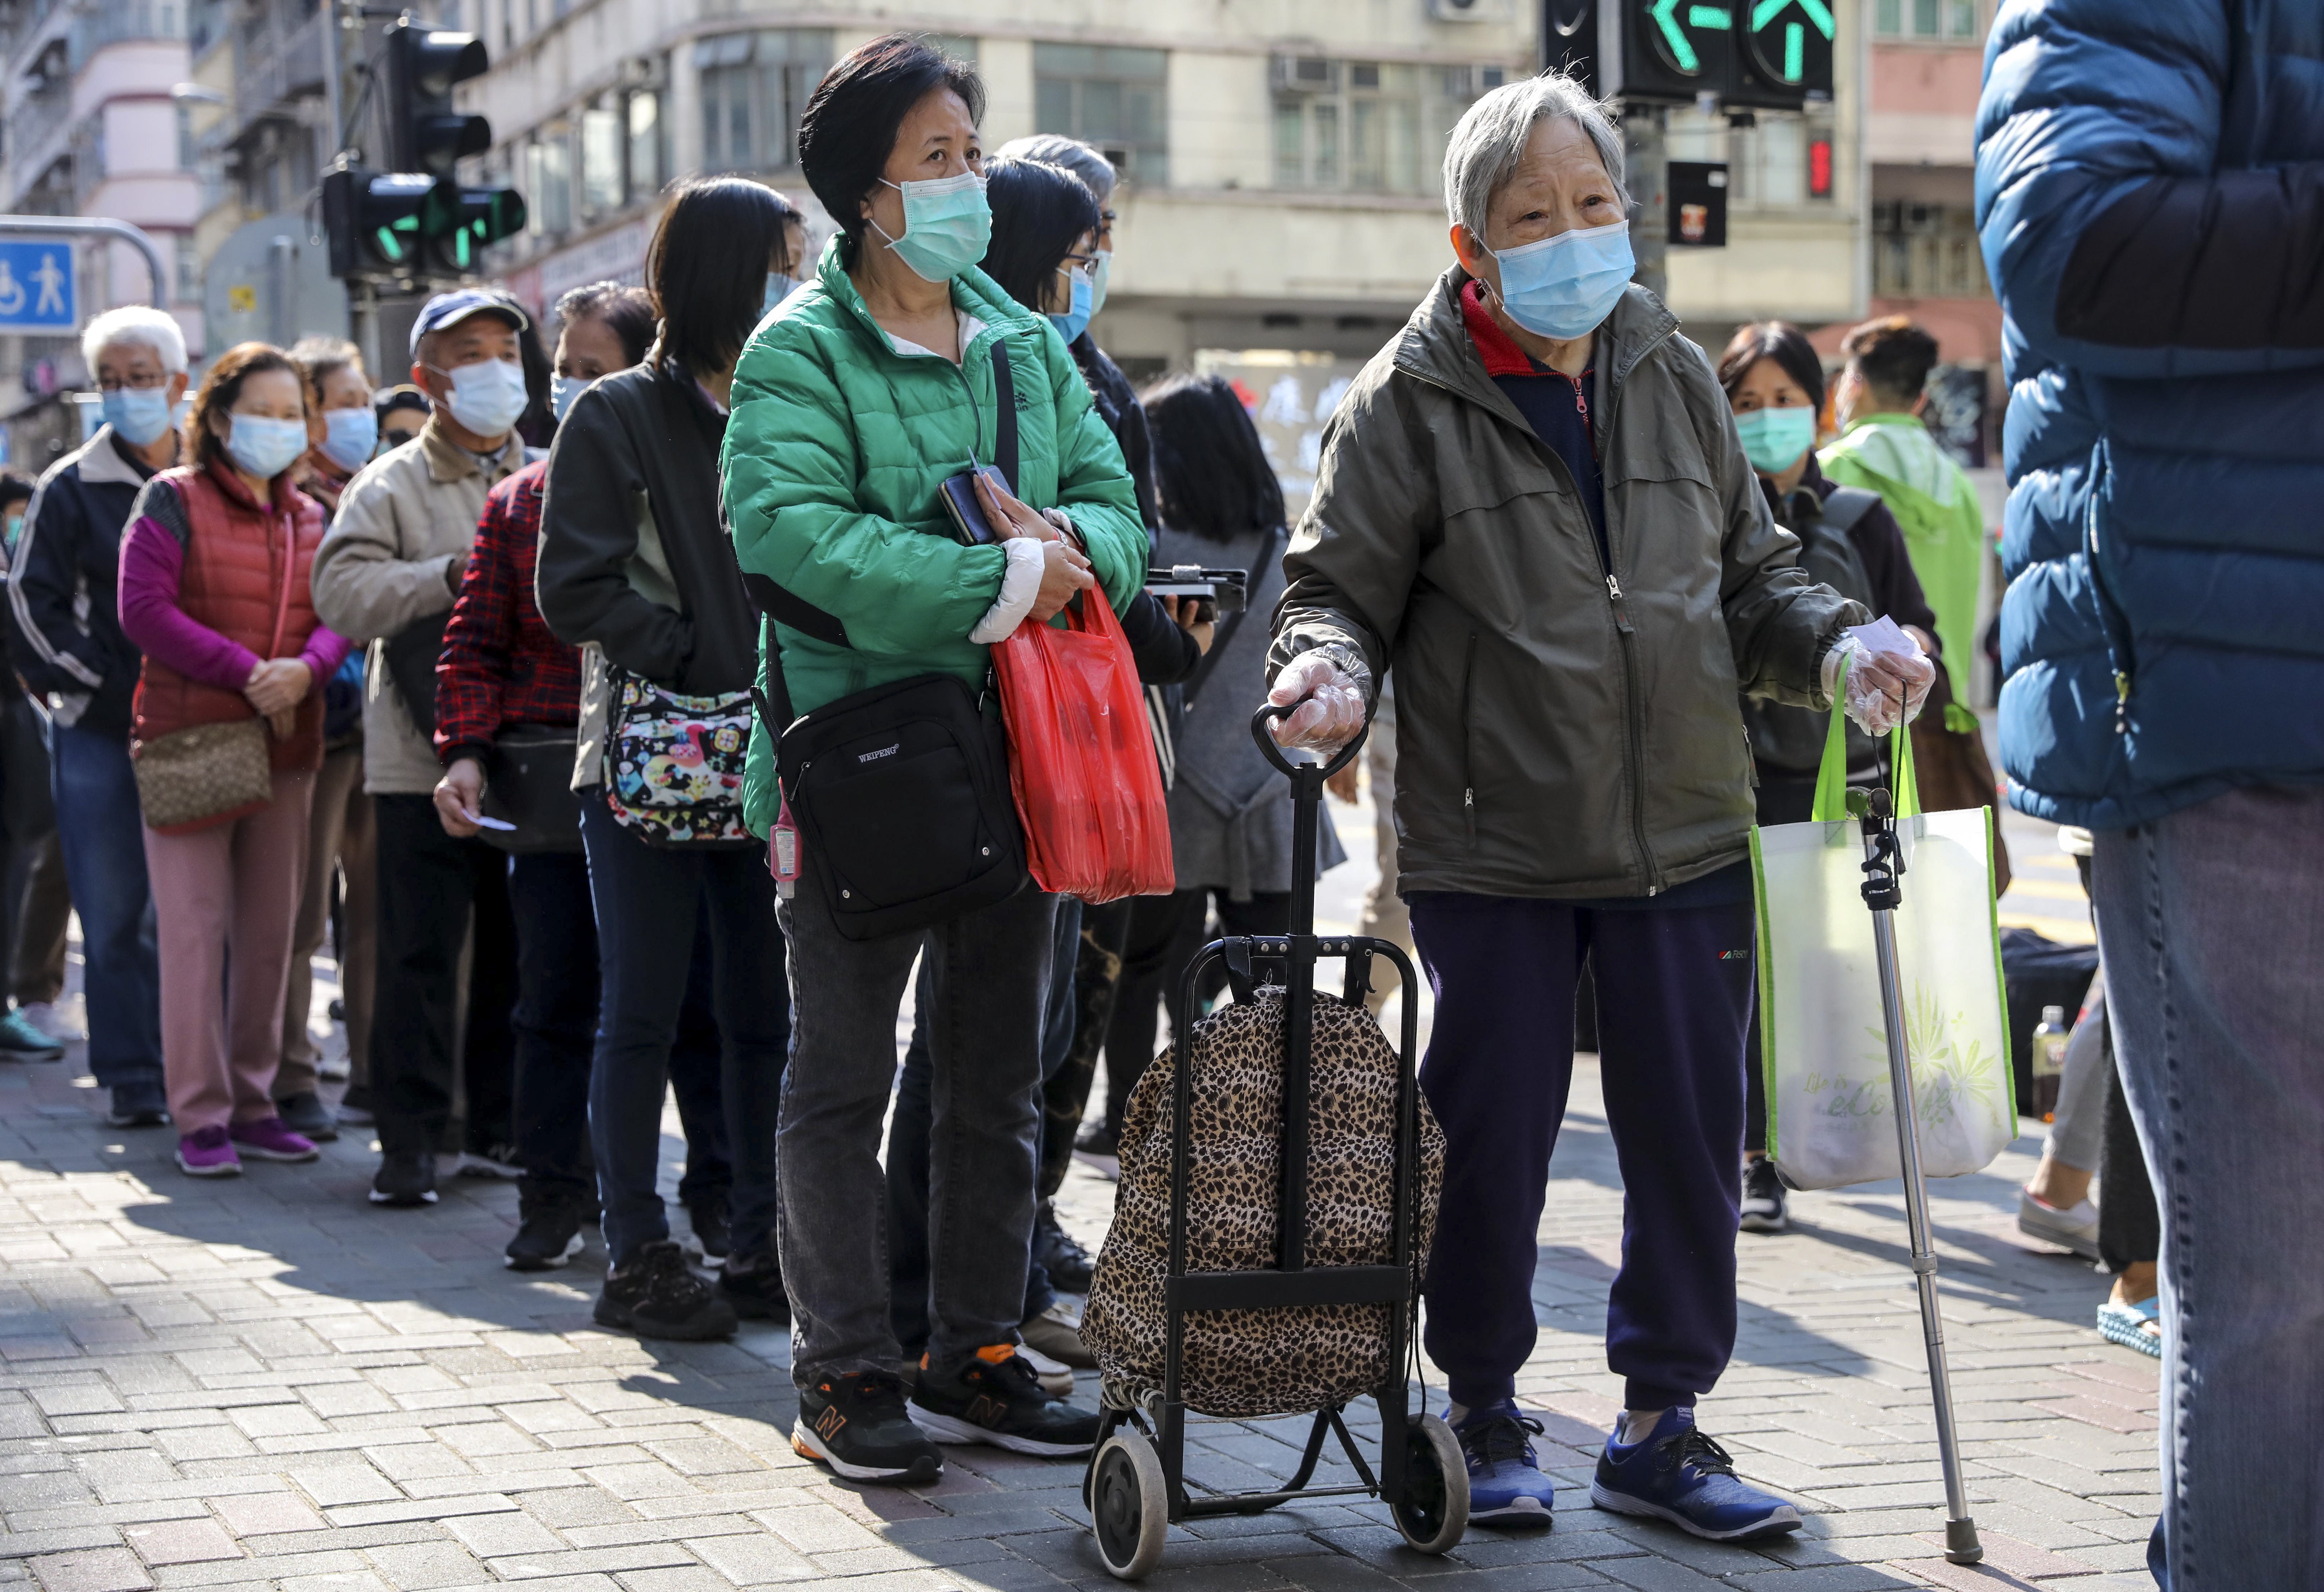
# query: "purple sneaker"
x,y
267,1139
205,1153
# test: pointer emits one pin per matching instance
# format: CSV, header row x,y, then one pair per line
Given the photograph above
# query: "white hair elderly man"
x,y
67,644
1533,506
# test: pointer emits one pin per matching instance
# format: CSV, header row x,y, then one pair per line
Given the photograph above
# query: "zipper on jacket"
x,y
1468,757
1634,764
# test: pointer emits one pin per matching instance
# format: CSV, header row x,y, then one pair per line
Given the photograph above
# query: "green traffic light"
x,y
1682,48
1818,13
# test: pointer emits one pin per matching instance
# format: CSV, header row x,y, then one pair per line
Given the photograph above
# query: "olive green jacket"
x,y
1563,731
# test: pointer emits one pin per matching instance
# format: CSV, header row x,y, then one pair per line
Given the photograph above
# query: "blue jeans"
x,y
650,903
2212,921
104,834
988,982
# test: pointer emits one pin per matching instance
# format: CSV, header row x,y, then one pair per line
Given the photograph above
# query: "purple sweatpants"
x,y
1673,995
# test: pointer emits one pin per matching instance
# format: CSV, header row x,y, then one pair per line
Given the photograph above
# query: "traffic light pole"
x,y
1645,133
98,226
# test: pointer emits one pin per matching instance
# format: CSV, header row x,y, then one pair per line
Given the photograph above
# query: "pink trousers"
x,y
225,902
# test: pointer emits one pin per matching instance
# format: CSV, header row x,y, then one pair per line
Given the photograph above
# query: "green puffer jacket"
x,y
832,461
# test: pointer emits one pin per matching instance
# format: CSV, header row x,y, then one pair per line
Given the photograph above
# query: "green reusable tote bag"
x,y
1822,1039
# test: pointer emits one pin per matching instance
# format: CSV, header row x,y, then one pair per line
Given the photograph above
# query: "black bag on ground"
x,y
2037,971
528,782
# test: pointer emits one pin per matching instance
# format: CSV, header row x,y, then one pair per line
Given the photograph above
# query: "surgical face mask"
x,y
1098,276
265,448
1083,304
140,414
562,391
947,225
1563,287
488,395
1774,439
12,528
779,287
350,436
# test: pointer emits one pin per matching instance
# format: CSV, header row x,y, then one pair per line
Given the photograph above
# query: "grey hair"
x,y
1095,171
1483,151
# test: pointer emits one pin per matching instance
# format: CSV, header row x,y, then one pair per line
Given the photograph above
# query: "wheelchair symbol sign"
x,y
36,288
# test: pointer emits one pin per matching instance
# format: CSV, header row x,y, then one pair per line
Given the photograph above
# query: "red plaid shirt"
x,y
501,666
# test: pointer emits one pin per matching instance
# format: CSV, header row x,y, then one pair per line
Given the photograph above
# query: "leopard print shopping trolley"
x,y
1279,1181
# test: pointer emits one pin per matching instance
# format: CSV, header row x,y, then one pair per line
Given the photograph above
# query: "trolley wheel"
x,y
1433,1512
1128,1510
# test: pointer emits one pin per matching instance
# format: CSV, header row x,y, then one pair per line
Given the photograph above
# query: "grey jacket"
x,y
1564,730
1230,808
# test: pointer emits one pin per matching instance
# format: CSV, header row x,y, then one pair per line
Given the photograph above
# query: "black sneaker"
x,y
1069,1264
752,1283
994,1397
1763,1198
138,1105
406,1178
307,1115
708,1215
857,1425
1099,1150
549,1233
658,1295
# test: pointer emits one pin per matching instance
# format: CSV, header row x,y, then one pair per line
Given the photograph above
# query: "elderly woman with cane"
x,y
1534,508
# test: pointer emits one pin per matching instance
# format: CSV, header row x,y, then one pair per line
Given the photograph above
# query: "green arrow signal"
x,y
1682,48
1818,13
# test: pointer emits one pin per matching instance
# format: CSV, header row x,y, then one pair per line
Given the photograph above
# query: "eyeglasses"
x,y
137,383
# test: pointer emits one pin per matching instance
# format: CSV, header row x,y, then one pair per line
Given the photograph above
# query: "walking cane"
x,y
1882,864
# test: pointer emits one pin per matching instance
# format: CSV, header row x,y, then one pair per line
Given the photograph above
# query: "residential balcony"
x,y
271,73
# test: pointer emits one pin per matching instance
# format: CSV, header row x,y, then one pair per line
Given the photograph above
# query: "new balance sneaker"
x,y
406,1178
206,1152
857,1425
1061,1255
1675,1473
752,1283
1763,1198
994,1397
139,1105
307,1115
267,1139
1506,1486
657,1295
549,1228
22,1039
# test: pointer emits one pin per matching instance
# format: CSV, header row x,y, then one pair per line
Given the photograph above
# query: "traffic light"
x,y
1676,49
1762,54
458,222
1784,53
424,132
375,220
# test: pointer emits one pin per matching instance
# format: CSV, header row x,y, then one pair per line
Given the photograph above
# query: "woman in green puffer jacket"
x,y
855,401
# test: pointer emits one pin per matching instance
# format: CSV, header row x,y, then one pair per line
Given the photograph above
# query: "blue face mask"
x,y
1076,319
350,436
947,225
1564,286
141,414
1774,439
265,448
562,391
779,287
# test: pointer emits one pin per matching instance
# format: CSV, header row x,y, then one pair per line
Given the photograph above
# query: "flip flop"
x,y
2125,1324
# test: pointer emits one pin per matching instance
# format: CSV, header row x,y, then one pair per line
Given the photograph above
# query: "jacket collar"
x,y
1436,347
973,293
285,497
449,460
104,459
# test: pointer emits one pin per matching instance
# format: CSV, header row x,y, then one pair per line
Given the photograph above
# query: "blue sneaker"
x,y
1506,1484
1678,1474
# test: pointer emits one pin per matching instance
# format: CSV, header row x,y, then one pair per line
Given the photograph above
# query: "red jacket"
x,y
500,665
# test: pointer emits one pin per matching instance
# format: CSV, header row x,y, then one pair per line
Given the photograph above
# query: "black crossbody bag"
x,y
901,793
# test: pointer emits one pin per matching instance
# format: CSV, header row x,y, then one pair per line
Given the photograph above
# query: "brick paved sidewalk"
x,y
266,1382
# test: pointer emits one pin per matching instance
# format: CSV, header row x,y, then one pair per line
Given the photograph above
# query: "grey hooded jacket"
x,y
1564,731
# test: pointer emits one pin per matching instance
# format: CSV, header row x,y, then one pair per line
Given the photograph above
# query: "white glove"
x,y
1331,705
1888,674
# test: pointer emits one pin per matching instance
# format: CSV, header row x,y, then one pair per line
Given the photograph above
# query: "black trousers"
x,y
429,885
1165,934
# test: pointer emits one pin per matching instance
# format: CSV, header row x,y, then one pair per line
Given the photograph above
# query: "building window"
x,y
648,159
549,181
1955,20
1926,252
1368,126
1109,98
755,87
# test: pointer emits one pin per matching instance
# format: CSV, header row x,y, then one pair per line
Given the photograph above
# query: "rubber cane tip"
x,y
1961,1546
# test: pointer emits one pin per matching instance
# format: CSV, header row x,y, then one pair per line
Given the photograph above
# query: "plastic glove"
x,y
1331,707
1888,675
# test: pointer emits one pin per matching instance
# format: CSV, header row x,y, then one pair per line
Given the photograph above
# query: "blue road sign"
x,y
36,286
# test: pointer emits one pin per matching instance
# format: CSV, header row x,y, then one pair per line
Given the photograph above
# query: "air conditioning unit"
x,y
1305,74
1469,11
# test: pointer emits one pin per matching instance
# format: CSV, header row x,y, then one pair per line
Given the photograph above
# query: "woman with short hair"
x,y
854,403
1533,505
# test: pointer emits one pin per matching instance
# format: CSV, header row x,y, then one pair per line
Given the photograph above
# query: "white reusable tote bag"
x,y
1823,1036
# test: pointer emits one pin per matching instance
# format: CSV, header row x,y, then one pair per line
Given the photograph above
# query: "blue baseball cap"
x,y
446,310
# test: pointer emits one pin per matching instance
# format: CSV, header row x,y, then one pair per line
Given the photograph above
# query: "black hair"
x,y
1211,474
321,358
1894,355
849,128
626,312
1039,212
1780,341
707,267
15,487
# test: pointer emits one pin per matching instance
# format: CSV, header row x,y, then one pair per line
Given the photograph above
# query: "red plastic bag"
x,y
1081,756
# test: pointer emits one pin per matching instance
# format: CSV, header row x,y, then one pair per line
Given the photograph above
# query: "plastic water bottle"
x,y
2049,1043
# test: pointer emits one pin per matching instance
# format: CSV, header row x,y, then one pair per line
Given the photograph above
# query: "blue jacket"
x,y
2150,198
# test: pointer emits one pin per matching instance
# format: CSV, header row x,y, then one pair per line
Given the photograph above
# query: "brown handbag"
x,y
207,775
1954,771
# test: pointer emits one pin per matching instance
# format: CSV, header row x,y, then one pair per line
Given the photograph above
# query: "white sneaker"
x,y
2075,1229
1055,1377
50,1020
